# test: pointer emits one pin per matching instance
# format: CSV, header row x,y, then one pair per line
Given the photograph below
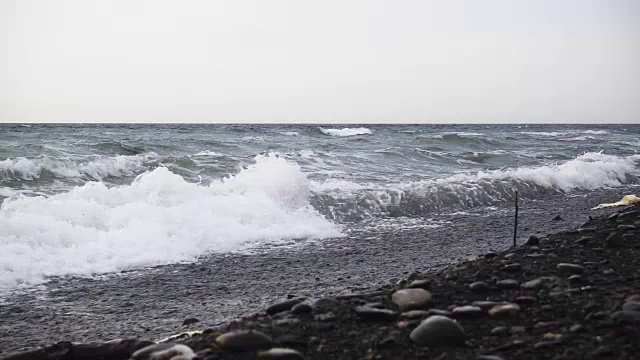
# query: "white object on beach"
x,y
626,200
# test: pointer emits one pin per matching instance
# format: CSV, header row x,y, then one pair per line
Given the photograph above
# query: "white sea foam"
x,y
588,171
596,132
335,185
97,168
158,219
579,138
346,131
290,133
306,154
542,133
207,153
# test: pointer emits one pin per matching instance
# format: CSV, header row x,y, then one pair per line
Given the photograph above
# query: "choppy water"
x,y
87,199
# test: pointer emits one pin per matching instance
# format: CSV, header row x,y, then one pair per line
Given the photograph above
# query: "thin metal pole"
x,y
515,225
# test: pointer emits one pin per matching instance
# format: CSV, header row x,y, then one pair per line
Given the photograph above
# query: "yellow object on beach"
x,y
626,200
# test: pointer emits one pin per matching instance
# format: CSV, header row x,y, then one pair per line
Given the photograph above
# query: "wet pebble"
x,y
508,284
486,305
515,267
479,286
570,268
631,306
190,321
283,306
574,278
408,299
466,311
489,357
504,310
626,317
415,314
421,284
438,331
500,331
280,354
164,351
439,312
372,314
525,300
532,240
626,227
243,340
532,284
301,308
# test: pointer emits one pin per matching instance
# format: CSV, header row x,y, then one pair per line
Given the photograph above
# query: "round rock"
x,y
373,314
243,340
466,311
532,241
408,299
438,331
283,306
280,354
570,268
508,284
422,284
301,308
164,351
505,310
479,286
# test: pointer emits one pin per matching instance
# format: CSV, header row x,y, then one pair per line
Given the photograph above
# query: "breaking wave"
x,y
158,219
97,168
346,131
347,201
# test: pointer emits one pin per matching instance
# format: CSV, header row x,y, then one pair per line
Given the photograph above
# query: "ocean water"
x,y
96,199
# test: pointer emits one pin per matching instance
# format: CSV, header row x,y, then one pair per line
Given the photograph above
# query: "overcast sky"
x,y
320,61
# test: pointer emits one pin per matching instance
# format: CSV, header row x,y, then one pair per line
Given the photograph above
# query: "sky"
x,y
320,61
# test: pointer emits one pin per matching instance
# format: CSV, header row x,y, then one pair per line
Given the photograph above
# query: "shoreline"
x,y
554,318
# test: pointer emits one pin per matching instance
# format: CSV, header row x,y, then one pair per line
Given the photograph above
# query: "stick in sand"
x,y
515,225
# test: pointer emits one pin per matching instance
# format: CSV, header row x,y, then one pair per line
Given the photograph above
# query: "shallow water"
x,y
89,200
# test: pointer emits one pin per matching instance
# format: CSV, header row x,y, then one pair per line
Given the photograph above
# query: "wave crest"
x,y
346,201
97,169
346,131
158,219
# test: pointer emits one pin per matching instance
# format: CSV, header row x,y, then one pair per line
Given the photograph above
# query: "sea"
x,y
93,199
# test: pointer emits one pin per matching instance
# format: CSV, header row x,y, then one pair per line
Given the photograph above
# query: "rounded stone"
x,y
574,278
421,284
373,314
437,331
479,286
532,284
635,297
570,268
283,306
500,331
631,306
301,308
280,354
415,314
408,299
532,241
164,351
243,340
505,310
512,267
525,299
486,305
466,311
508,284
